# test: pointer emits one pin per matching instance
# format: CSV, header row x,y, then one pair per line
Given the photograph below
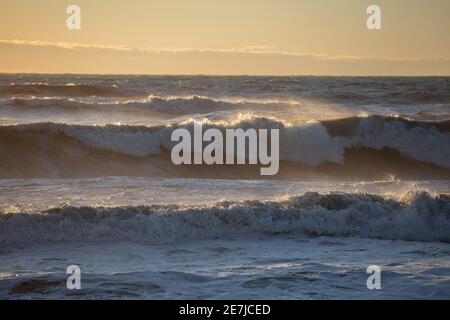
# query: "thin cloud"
x,y
74,45
63,45
257,50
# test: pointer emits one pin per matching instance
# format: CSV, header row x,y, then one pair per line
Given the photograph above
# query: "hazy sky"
x,y
226,37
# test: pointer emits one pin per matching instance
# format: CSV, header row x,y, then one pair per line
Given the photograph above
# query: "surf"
x,y
414,216
344,147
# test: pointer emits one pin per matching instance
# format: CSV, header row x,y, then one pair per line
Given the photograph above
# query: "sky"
x,y
227,37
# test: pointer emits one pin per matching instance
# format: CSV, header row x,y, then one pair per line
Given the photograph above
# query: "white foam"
x,y
424,144
309,143
418,216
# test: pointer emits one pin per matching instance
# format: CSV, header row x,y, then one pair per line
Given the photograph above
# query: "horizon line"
x,y
224,75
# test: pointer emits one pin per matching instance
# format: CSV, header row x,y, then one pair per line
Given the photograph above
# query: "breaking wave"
x,y
172,105
417,216
310,144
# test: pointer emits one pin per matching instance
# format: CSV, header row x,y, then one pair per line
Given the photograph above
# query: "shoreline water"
x,y
281,267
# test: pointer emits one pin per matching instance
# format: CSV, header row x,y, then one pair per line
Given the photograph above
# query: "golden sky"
x,y
323,37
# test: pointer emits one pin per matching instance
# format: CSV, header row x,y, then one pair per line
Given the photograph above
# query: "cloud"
x,y
256,50
25,56
74,45
63,45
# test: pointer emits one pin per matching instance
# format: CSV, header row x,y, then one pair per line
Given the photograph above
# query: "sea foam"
x,y
417,216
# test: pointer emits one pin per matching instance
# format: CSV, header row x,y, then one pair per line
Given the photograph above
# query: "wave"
x,y
67,90
403,97
417,216
172,105
56,147
184,105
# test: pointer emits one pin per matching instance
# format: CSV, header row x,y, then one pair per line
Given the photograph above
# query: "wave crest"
x,y
311,144
171,106
418,216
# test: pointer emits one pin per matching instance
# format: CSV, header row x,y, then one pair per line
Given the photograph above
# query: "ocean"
x,y
86,179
